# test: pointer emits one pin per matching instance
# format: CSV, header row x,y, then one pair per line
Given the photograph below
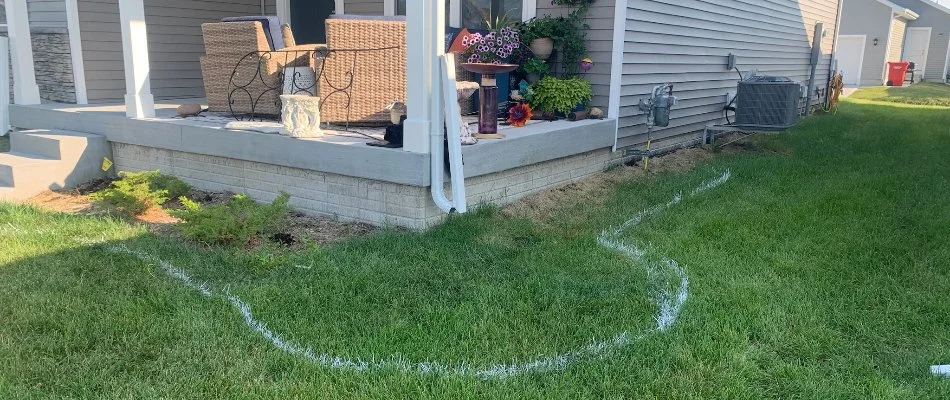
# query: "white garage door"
x,y
850,54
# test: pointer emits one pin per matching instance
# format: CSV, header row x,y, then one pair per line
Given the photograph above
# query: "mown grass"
x,y
819,271
924,93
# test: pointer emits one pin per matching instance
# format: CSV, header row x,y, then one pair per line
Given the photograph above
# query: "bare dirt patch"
x,y
541,206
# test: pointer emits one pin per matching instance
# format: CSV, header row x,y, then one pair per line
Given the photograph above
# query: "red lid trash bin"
x,y
896,72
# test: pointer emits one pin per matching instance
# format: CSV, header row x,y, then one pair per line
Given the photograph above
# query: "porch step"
x,y
24,173
40,159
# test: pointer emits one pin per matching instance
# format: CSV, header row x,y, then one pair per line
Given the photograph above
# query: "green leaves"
x,y
136,192
561,95
238,222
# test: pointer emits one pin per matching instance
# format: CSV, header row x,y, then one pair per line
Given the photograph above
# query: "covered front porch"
x,y
337,175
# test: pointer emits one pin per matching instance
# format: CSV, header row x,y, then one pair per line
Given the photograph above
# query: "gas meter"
x,y
658,106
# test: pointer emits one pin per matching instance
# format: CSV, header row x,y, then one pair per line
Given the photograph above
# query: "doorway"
x,y
851,57
916,47
307,19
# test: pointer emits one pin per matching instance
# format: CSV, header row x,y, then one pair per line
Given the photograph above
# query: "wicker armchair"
x,y
370,51
240,50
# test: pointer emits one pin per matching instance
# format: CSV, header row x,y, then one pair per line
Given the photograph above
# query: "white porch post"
x,y
139,102
25,90
419,75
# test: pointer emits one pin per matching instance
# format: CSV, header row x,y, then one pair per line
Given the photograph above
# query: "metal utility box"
x,y
768,103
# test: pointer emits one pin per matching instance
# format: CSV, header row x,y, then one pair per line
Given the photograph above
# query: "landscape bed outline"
x,y
668,302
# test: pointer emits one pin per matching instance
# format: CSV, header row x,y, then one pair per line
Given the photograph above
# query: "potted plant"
x,y
539,33
560,96
535,69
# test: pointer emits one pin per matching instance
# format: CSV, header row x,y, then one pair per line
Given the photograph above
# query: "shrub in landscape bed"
x,y
236,222
136,192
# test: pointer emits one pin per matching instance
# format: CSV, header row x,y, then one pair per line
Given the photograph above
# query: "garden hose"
x,y
836,87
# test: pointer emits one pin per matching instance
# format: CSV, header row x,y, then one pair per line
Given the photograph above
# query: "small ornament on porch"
x,y
519,115
301,116
586,64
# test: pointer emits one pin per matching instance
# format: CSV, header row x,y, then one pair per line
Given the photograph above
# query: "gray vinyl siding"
x,y
939,20
600,18
364,7
896,50
685,42
47,13
871,18
174,38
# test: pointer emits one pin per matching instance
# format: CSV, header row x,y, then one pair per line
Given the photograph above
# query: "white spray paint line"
x,y
941,370
669,304
169,269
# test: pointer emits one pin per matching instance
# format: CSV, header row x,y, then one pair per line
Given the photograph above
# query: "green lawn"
x,y
820,270
930,94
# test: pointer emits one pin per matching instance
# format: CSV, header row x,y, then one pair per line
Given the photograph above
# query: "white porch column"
x,y
139,102
25,90
419,75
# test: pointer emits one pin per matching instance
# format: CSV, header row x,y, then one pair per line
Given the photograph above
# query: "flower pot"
x,y
542,47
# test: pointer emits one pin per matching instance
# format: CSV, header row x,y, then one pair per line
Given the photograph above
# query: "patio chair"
x,y
370,51
241,50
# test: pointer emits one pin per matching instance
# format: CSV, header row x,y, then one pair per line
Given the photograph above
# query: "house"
x,y
131,62
927,42
871,35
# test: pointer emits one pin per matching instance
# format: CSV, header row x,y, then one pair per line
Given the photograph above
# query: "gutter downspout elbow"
x,y
440,125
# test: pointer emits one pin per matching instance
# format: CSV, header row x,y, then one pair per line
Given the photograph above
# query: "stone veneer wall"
x,y
53,65
351,198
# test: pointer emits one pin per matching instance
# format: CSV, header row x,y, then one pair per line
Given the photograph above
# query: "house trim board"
x,y
75,51
616,65
929,31
890,38
946,65
864,44
25,89
834,43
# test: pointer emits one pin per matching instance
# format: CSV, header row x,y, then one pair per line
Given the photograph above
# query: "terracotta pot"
x,y
542,47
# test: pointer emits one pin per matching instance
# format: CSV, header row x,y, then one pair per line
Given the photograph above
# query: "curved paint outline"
x,y
669,304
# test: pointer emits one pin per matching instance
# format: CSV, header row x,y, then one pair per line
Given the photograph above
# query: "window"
x,y
481,14
476,14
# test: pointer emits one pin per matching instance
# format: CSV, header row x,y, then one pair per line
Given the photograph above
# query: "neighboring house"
x,y
871,35
635,44
927,42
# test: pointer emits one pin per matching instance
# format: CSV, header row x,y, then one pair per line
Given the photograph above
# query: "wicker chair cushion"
x,y
271,25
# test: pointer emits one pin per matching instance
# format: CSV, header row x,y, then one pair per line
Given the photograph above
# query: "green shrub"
x,y
560,95
136,192
234,223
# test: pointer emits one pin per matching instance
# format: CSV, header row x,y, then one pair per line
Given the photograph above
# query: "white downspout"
x,y
444,110
452,118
